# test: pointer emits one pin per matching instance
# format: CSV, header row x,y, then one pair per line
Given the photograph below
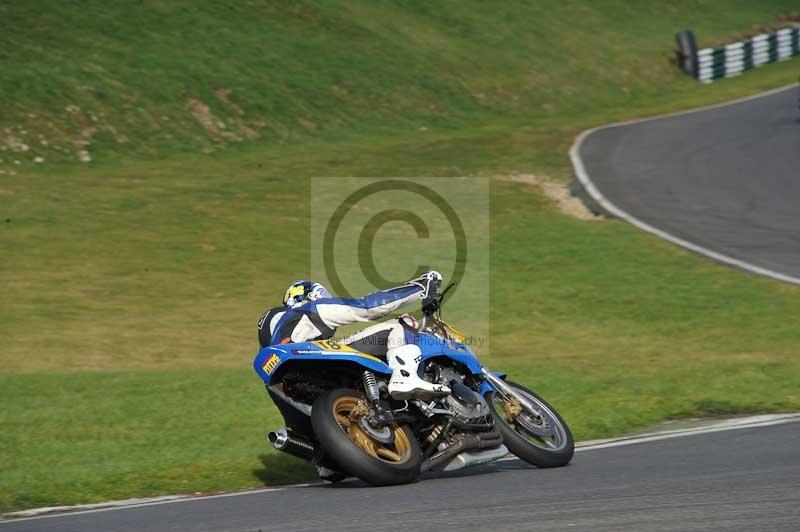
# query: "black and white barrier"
x,y
709,64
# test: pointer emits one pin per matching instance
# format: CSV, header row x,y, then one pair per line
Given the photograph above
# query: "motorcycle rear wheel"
x,y
349,442
544,441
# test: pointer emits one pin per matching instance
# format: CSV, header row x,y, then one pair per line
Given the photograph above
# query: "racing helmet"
x,y
301,292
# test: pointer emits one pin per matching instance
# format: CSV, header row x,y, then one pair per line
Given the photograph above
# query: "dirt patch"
x,y
13,143
308,124
87,130
215,127
207,247
559,193
88,127
222,94
202,113
248,132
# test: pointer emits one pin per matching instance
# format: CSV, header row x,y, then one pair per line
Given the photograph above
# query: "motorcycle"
x,y
340,417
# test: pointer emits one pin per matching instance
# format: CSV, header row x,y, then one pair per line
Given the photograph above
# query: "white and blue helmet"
x,y
301,292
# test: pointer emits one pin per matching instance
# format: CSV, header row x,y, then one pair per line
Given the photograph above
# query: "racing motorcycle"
x,y
340,417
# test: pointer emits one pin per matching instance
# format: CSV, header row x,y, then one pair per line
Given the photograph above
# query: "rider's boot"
x,y
405,382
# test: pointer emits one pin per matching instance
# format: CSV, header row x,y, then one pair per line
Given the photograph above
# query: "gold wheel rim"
x,y
393,453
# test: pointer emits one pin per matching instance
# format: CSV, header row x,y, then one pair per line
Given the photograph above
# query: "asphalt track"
x,y
724,180
746,479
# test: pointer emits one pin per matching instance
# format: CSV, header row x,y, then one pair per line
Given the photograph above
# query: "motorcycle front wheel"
x,y
382,457
542,439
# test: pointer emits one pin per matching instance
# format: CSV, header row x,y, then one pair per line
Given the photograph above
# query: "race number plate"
x,y
327,345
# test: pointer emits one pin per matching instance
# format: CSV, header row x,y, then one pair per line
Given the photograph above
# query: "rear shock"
x,y
371,386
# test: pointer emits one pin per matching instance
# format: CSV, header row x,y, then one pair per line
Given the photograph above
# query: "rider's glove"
x,y
430,305
409,321
429,282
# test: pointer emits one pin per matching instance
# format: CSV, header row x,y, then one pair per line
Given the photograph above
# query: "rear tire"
x,y
338,434
329,475
521,443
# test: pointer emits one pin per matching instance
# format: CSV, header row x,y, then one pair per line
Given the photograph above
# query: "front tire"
x,y
544,441
347,441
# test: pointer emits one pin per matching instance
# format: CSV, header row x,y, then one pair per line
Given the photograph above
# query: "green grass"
x,y
116,435
123,75
131,285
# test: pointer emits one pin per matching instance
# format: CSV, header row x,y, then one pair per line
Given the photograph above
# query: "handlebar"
x,y
447,289
432,304
431,311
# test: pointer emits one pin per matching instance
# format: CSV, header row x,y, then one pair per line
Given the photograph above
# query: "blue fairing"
x,y
269,359
433,346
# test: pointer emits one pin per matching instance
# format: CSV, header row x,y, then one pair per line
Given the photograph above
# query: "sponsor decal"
x,y
328,347
271,363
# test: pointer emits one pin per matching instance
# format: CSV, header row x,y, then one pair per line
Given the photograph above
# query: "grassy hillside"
x,y
150,79
131,284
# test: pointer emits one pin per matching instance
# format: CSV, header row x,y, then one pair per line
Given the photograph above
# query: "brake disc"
x,y
360,414
537,427
383,435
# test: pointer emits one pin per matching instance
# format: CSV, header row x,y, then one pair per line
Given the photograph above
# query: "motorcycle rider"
x,y
310,312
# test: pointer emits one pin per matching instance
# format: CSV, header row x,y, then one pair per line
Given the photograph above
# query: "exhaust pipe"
x,y
470,442
467,458
284,440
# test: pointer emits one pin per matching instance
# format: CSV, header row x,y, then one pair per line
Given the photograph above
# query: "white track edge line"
x,y
744,423
583,177
64,511
645,438
736,424
733,422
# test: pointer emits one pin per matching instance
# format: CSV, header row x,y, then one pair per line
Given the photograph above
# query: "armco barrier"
x,y
710,64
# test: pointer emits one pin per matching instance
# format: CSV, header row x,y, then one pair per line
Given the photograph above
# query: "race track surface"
x,y
747,479
726,179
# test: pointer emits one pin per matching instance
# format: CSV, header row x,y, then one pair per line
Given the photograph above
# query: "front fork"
x,y
514,403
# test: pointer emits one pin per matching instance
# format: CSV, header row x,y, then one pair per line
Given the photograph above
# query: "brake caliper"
x,y
512,408
359,410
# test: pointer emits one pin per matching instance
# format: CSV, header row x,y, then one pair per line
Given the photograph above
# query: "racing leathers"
x,y
319,319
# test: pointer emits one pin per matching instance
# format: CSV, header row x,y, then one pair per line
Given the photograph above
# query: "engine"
x,y
466,405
